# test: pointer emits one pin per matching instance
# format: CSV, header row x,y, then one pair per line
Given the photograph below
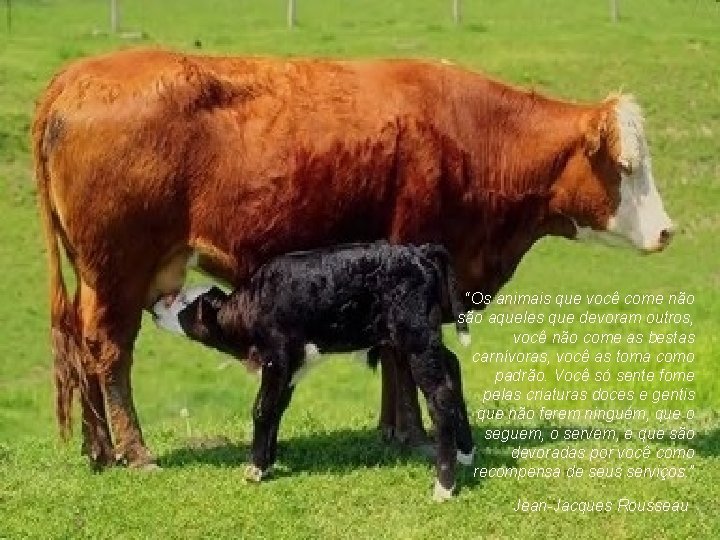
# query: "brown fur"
x,y
149,153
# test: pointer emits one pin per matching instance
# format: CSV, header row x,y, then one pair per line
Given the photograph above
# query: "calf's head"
x,y
607,188
195,313
209,316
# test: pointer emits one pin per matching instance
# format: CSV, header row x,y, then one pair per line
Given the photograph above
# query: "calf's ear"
x,y
215,297
199,322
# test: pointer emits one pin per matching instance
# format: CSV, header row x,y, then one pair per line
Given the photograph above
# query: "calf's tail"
x,y
450,290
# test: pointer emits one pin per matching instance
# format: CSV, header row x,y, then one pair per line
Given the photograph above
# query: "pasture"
x,y
337,479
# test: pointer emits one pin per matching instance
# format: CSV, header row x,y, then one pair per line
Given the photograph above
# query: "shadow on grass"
x,y
345,450
706,443
338,451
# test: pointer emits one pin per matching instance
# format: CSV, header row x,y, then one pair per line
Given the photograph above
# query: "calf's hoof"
x,y
441,494
255,474
466,459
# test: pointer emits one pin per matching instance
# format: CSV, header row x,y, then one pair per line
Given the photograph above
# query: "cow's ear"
x,y
595,128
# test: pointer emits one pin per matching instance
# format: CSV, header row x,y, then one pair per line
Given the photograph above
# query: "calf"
x,y
341,299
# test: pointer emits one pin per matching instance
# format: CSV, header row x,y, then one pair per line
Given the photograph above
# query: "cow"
x,y
340,299
146,160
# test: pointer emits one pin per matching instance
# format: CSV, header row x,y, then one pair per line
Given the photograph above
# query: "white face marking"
x,y
166,317
640,218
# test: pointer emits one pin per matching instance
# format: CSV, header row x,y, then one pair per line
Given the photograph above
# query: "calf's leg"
x,y
270,404
430,375
283,402
466,447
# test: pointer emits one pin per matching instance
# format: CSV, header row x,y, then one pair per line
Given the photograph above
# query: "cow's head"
x,y
607,188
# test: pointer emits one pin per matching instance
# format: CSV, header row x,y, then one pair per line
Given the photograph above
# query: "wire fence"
x,y
114,8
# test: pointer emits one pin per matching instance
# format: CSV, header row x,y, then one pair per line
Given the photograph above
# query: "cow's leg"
x,y
414,217
97,440
272,399
431,376
388,395
409,427
129,444
465,444
400,416
109,330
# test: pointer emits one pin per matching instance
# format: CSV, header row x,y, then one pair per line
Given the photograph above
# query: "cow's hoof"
x,y
146,467
99,453
466,459
140,462
255,474
98,457
100,461
136,457
441,494
387,432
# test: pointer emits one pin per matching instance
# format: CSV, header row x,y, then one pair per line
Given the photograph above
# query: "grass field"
x,y
337,478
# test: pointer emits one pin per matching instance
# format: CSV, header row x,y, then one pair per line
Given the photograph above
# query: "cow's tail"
x,y
450,291
63,322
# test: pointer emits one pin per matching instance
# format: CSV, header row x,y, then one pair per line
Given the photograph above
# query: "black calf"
x,y
338,300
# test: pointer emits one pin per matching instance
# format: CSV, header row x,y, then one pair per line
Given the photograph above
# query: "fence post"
x,y
114,16
457,11
614,11
291,14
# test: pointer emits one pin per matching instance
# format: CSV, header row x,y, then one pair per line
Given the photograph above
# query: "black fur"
x,y
342,299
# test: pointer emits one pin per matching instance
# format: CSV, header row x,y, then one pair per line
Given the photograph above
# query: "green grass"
x,y
337,479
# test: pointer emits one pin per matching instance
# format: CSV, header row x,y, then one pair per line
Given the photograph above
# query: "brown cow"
x,y
145,158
